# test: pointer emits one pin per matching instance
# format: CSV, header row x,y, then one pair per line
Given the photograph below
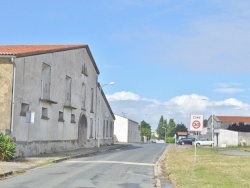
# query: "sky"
x,y
167,58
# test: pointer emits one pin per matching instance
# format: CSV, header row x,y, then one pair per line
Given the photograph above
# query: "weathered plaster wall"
x,y
104,134
43,132
133,131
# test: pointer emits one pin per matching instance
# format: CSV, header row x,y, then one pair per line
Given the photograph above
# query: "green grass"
x,y
211,169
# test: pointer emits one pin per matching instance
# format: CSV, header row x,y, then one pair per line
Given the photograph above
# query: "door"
x,y
82,131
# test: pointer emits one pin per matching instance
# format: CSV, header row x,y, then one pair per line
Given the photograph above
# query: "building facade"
x,y
218,125
126,130
59,85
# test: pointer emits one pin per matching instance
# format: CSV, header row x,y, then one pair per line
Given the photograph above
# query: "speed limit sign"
x,y
196,123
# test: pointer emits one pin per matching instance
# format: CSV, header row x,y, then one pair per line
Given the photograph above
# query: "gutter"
x,y
13,96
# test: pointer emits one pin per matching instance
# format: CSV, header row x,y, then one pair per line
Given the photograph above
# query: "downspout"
x,y
13,96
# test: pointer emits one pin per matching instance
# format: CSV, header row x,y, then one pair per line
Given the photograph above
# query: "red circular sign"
x,y
196,124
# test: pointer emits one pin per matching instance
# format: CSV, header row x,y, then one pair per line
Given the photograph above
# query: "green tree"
x,y
205,123
145,129
180,128
171,128
160,130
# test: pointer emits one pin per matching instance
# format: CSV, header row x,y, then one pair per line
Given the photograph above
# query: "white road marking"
x,y
113,162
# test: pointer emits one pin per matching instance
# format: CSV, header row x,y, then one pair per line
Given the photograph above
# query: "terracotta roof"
x,y
29,50
26,50
234,119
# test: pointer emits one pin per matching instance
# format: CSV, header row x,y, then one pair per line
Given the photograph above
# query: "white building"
x,y
59,83
126,130
218,125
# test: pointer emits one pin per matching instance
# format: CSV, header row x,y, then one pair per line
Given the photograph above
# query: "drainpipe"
x,y
13,97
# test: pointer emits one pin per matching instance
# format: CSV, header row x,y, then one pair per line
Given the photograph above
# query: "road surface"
x,y
131,167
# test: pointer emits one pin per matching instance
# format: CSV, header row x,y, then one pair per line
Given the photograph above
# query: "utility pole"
x,y
165,133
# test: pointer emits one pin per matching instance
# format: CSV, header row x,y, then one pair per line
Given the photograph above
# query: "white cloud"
x,y
123,95
180,107
228,90
221,84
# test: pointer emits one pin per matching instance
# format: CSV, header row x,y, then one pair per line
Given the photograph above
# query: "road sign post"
x,y
196,125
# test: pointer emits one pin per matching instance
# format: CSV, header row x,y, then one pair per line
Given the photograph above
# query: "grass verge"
x,y
211,169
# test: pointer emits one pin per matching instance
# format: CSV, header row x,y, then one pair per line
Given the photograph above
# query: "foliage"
x,y
160,130
170,140
145,129
205,123
240,127
7,147
181,128
171,128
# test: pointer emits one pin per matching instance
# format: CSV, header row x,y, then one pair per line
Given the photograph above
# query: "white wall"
x,y
121,129
126,130
133,131
230,138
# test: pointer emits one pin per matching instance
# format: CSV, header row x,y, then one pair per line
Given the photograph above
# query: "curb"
x,y
158,169
3,175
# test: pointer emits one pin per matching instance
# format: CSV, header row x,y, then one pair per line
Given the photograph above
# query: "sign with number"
x,y
196,123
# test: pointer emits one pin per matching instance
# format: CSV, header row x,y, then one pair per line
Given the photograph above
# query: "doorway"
x,y
82,131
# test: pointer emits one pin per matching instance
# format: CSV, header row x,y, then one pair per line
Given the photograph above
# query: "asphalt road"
x,y
131,167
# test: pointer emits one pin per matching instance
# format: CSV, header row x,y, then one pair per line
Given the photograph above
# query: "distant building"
x,y
126,130
223,136
180,135
154,134
222,122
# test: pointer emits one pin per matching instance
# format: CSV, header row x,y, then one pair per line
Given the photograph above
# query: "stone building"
x,y
58,85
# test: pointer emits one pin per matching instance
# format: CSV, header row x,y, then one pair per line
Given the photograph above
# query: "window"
x,y
67,90
24,109
84,70
83,96
111,129
103,129
46,72
45,113
106,128
91,128
60,118
92,100
73,118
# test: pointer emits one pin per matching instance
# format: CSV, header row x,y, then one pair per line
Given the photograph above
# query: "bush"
x,y
7,147
170,140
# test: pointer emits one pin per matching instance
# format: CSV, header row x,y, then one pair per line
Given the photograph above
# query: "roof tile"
x,y
234,119
20,50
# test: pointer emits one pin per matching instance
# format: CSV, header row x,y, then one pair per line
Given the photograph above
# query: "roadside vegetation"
x,y
7,147
211,168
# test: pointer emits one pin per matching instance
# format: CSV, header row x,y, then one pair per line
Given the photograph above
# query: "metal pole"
x,y
140,134
212,125
165,135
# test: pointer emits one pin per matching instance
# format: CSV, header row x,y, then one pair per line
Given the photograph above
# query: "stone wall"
x,y
6,73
